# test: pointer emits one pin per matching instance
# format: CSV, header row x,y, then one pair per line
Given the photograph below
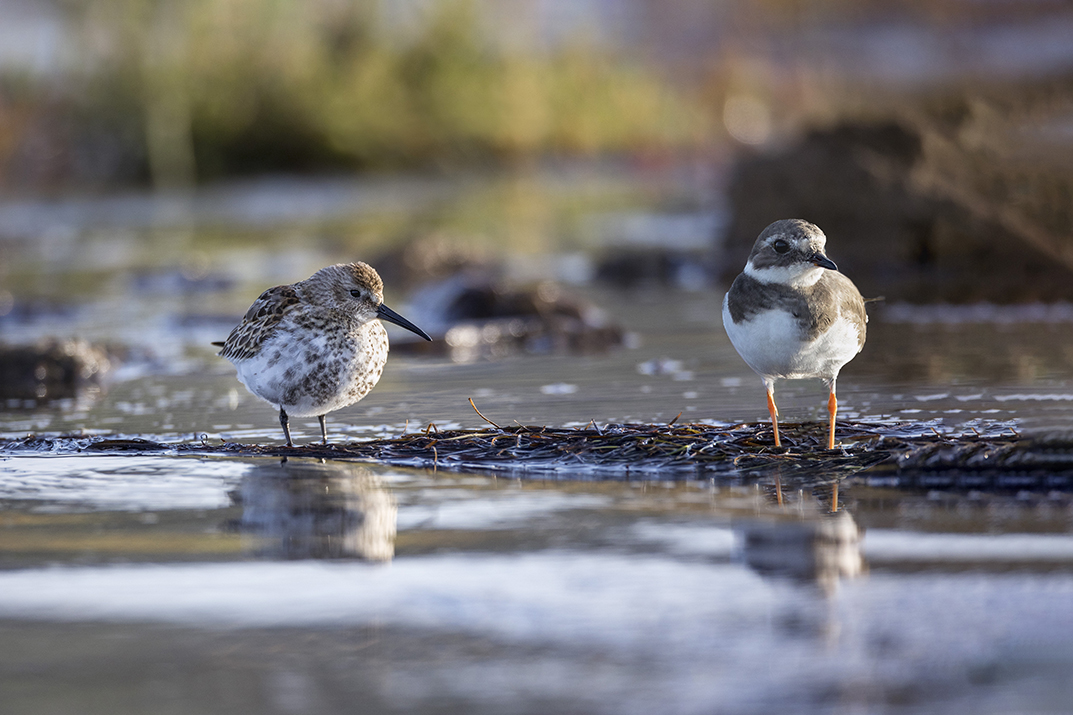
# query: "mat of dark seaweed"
x,y
920,455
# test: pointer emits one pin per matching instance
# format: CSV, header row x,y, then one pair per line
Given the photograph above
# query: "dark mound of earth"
x,y
921,207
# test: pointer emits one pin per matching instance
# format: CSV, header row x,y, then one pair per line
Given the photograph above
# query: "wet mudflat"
x,y
173,580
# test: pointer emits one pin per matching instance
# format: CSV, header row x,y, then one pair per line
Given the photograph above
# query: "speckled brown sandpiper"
x,y
315,346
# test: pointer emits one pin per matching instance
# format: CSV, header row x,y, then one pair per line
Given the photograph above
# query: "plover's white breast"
x,y
771,343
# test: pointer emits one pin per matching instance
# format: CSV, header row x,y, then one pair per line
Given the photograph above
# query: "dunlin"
x,y
315,346
790,314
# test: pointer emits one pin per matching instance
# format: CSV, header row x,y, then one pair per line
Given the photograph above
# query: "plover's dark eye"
x,y
780,246
356,293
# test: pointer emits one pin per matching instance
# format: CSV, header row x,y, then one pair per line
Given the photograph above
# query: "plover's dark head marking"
x,y
790,252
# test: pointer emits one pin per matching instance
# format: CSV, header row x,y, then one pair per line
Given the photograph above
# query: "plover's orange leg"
x,y
771,408
832,409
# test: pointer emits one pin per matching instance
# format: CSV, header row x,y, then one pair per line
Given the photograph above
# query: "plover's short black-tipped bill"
x,y
386,313
823,261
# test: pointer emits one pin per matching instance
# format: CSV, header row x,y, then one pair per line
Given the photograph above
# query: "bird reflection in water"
x,y
803,542
304,510
820,549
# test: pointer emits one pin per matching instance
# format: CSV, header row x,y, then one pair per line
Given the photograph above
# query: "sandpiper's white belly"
x,y
770,343
311,373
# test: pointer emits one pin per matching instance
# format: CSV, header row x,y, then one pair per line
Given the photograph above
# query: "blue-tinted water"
x,y
161,583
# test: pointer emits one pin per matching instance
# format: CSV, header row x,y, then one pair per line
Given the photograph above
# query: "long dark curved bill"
x,y
823,261
386,313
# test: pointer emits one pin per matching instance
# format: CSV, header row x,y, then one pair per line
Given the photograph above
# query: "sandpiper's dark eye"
x,y
780,246
356,293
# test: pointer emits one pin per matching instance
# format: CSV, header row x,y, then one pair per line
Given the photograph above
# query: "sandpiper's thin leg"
x,y
323,429
832,409
774,413
286,423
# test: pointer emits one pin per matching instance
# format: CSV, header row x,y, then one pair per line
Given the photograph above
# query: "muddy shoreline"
x,y
907,455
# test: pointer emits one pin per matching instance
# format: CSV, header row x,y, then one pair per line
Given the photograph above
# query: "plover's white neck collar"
x,y
799,276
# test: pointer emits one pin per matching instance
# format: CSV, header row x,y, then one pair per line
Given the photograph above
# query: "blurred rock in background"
x,y
431,258
474,315
921,206
931,142
51,370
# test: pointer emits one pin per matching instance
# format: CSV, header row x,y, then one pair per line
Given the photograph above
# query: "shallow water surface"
x,y
158,582
301,586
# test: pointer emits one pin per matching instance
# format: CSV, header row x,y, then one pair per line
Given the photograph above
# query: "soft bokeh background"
x,y
171,94
529,176
559,191
168,94
192,152
945,121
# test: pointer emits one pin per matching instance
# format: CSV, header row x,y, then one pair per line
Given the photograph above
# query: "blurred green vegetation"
x,y
179,92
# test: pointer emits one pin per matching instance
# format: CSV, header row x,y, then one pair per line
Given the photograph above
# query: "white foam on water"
x,y
558,388
124,483
540,596
687,539
882,545
440,509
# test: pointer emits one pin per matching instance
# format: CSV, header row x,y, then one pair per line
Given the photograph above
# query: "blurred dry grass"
x,y
177,93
